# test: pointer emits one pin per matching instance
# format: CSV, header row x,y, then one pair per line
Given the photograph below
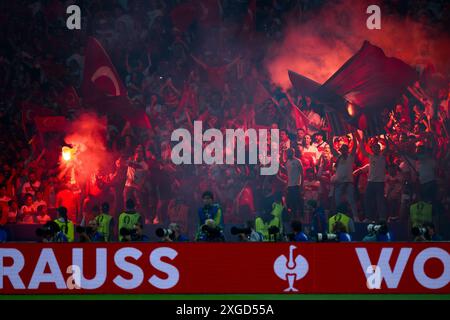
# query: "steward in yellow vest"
x,y
65,225
268,226
105,222
128,219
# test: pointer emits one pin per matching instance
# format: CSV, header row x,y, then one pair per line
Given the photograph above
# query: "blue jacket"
x,y
211,213
344,237
385,237
301,237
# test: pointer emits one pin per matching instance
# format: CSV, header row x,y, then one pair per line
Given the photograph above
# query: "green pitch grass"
x,y
231,297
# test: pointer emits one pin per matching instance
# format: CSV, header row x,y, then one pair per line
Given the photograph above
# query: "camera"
x,y
419,231
163,233
124,232
326,237
273,230
210,233
49,230
377,228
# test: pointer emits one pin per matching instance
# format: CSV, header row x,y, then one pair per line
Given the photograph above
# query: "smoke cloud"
x,y
87,135
319,45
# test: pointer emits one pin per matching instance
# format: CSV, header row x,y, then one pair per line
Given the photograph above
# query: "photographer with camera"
x,y
138,235
90,233
419,233
211,232
431,234
51,232
340,230
127,220
210,219
299,235
343,217
378,233
171,234
268,225
425,232
135,234
248,233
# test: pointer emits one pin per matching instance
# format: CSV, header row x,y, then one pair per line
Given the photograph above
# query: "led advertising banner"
x,y
291,268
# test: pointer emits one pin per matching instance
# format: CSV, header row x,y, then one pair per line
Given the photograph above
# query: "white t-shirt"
x,y
425,168
28,188
28,214
135,176
294,172
377,168
344,169
312,152
36,204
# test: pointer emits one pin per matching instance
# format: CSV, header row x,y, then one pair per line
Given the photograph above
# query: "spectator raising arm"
x,y
355,143
332,149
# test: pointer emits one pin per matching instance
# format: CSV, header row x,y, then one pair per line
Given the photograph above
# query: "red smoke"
x,y
318,46
87,135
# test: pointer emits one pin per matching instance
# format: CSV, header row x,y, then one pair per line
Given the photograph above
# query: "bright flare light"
x,y
351,109
66,153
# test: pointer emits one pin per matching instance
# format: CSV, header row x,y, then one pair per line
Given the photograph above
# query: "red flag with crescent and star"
x,y
100,78
102,88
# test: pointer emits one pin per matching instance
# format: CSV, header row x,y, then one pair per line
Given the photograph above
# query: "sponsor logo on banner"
x,y
291,269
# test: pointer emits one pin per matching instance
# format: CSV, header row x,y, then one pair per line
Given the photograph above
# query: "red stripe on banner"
x,y
225,268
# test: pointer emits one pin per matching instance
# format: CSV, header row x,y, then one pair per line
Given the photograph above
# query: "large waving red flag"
x,y
100,78
103,89
370,81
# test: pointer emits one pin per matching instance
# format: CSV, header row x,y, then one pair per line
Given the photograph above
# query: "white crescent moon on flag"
x,y
105,71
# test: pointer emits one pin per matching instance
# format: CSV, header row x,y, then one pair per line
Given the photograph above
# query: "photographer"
x,y
138,235
340,231
51,232
431,234
209,211
419,233
425,232
210,232
299,235
378,233
171,234
90,233
268,226
248,233
342,217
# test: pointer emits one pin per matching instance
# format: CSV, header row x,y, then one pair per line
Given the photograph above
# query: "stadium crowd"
x,y
179,73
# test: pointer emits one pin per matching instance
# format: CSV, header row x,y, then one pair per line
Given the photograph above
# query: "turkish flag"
x,y
103,89
100,78
369,80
